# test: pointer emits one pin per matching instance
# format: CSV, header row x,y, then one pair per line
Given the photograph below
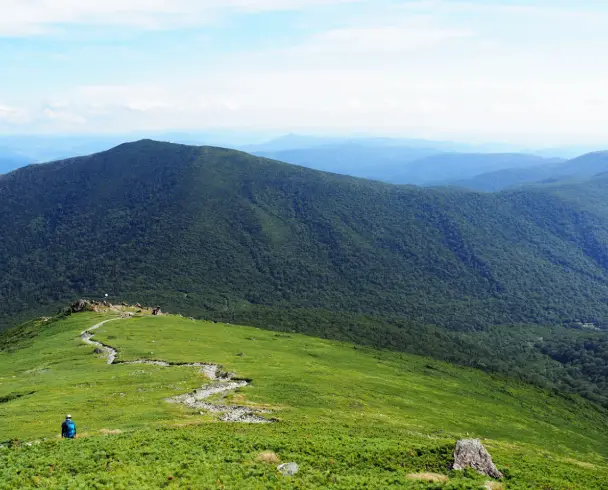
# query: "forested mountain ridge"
x,y
219,233
401,164
355,159
582,167
270,233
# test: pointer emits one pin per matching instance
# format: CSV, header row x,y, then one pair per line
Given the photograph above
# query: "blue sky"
x,y
526,72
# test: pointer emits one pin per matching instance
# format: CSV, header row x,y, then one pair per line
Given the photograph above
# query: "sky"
x,y
526,72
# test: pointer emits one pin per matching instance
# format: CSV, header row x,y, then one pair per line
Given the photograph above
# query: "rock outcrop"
x,y
470,453
105,306
81,305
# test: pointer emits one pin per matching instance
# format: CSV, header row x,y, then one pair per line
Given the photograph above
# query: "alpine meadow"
x,y
352,417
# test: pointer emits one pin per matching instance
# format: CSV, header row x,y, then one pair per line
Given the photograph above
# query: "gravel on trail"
x,y
222,384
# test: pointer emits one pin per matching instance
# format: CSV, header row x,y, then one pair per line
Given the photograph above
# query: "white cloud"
x,y
35,17
142,105
593,11
63,116
13,115
410,34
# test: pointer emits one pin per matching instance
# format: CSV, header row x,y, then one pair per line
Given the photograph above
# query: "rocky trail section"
x,y
222,384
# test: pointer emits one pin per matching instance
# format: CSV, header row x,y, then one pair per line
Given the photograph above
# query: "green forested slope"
x,y
223,227
219,233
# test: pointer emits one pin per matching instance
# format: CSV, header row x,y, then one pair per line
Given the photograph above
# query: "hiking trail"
x,y
222,384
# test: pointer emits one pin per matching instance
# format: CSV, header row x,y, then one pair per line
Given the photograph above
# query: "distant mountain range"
x,y
303,142
354,159
487,168
582,167
430,166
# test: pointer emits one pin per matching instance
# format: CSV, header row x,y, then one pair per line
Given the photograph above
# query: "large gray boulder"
x,y
470,453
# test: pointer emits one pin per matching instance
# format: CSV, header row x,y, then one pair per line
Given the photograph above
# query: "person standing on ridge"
x,y
68,428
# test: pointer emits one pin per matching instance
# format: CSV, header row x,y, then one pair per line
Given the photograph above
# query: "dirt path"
x,y
222,384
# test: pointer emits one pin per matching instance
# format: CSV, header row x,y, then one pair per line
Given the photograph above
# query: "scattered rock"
x,y
240,354
243,415
157,311
98,350
210,370
470,453
222,385
288,469
109,352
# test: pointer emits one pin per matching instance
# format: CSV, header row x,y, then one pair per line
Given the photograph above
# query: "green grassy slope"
x,y
351,416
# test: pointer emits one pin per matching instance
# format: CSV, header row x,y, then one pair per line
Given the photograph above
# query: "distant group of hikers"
x,y
68,428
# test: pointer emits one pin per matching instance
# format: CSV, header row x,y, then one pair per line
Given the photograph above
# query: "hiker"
x,y
68,428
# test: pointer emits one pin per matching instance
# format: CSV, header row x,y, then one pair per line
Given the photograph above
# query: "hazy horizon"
x,y
523,73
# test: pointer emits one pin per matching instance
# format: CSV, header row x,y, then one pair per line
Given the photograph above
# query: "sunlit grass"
x,y
349,416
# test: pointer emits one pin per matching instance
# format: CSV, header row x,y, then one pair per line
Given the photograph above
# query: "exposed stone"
x,y
222,385
288,469
470,453
81,305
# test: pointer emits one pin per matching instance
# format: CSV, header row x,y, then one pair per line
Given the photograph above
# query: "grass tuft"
x,y
431,477
110,432
269,457
493,485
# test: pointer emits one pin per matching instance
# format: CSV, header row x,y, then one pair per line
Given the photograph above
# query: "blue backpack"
x,y
69,429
